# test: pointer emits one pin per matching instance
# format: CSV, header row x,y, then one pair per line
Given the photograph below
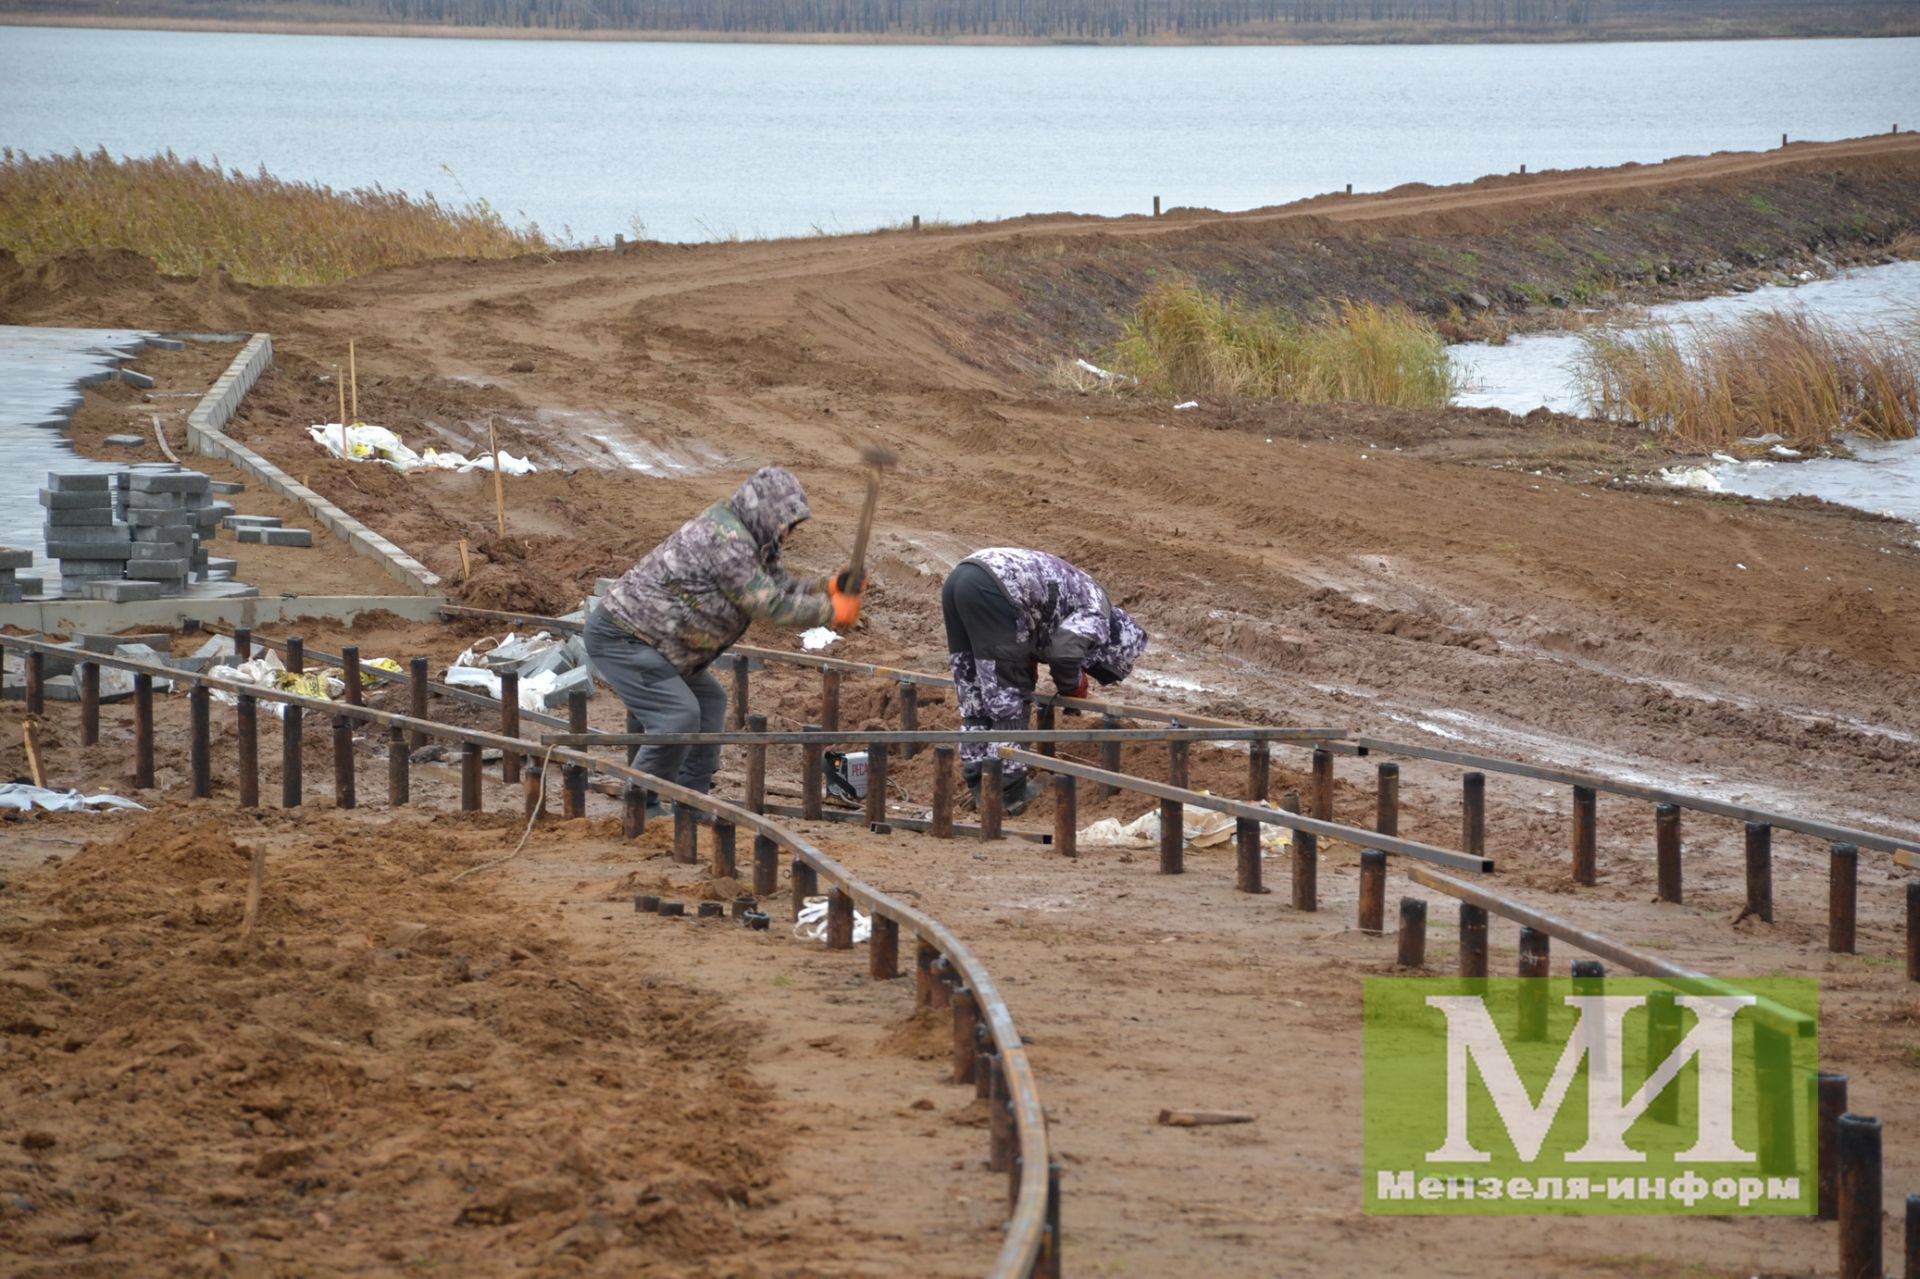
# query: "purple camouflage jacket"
x,y
692,596
1067,620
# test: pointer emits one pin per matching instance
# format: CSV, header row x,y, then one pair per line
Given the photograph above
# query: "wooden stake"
x,y
340,386
353,379
499,483
29,734
466,564
1204,1118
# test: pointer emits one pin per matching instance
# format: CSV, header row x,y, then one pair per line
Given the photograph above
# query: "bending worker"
x,y
690,599
1007,610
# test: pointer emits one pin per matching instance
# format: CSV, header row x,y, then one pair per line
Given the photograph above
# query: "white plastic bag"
x,y
811,923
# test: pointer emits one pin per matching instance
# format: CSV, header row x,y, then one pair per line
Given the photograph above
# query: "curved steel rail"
x,y
1032,1244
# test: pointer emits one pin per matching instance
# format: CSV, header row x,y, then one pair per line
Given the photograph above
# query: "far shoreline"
x,y
1385,38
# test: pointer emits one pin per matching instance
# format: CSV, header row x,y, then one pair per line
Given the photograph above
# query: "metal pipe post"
x,y
1473,813
1045,720
830,700
36,683
1306,871
1586,868
89,703
876,782
246,735
766,866
839,919
812,777
806,883
1259,771
1246,855
200,740
923,957
399,768
909,715
1322,790
1535,958
1173,837
1109,758
470,795
1843,886
966,1019
991,797
417,698
1760,870
143,731
1663,1036
1913,931
1473,940
1833,1104
1666,844
742,689
573,801
943,757
1066,816
1373,891
343,792
1858,1139
723,859
633,811
242,643
756,767
686,836
883,950
1413,932
1386,799
509,724
350,673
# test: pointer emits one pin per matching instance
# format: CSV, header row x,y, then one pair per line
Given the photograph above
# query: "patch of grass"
x,y
1774,372
1759,202
1184,341
190,217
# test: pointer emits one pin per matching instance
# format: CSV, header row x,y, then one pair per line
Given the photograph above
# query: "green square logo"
x,y
1591,1096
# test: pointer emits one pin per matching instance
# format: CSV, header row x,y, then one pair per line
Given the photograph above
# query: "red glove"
x,y
1080,689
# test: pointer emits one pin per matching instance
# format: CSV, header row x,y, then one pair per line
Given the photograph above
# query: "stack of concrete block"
x,y
81,530
11,562
163,517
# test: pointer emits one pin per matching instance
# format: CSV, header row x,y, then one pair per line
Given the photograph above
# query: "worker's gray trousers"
x,y
659,700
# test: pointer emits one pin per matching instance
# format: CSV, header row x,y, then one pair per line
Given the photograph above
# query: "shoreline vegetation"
x,y
191,218
1145,23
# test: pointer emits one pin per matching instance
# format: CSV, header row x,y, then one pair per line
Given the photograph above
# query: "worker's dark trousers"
x,y
993,671
659,700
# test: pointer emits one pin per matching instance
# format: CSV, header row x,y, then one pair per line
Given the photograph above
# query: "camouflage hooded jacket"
x,y
1068,621
692,596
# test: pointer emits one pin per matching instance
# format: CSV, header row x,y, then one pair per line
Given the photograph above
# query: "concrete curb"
x,y
205,437
67,617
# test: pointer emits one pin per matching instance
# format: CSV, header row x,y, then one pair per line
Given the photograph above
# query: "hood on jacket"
x,y
1113,661
770,503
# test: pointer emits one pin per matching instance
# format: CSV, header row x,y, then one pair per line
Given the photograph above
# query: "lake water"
x,y
698,141
1883,476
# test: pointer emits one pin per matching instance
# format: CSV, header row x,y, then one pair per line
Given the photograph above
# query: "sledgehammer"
x,y
878,458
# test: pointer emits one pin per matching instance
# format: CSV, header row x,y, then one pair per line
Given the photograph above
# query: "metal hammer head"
x,y
878,456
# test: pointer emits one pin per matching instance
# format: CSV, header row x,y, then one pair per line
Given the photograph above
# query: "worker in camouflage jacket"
x,y
1008,610
691,598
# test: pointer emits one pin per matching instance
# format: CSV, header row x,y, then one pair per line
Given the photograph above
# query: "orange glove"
x,y
846,604
1080,689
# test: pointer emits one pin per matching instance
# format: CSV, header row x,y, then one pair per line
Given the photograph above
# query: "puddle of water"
x,y
1537,370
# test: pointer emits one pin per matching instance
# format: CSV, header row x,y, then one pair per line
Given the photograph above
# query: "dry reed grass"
x,y
1184,341
1782,373
189,217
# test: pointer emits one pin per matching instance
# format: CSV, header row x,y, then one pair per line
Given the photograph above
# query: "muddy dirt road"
x,y
1454,577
